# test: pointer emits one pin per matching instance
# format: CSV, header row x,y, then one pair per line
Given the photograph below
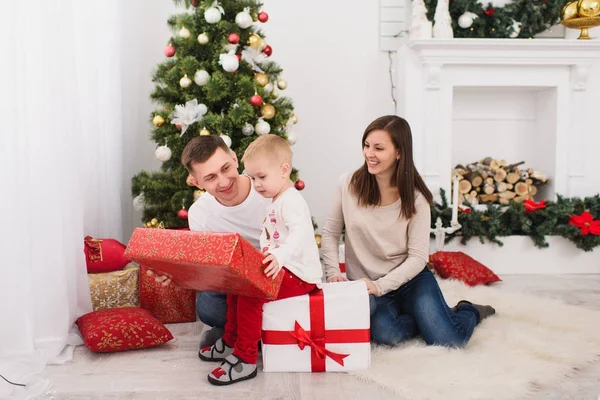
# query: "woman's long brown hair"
x,y
405,177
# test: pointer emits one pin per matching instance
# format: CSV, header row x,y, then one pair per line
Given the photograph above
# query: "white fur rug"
x,y
531,343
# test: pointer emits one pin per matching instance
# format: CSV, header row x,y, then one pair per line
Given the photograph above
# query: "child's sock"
x,y
484,311
217,352
232,370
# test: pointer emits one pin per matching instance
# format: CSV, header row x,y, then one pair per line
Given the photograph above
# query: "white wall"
x,y
338,80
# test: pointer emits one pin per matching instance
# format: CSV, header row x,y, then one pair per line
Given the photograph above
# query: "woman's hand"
x,y
337,278
371,288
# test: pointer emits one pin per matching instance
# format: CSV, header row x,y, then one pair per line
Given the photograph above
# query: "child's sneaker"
x,y
232,370
217,352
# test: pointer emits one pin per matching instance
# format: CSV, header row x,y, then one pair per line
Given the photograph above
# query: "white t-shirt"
x,y
208,215
288,234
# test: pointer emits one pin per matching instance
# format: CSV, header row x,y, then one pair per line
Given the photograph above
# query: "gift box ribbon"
x,y
318,336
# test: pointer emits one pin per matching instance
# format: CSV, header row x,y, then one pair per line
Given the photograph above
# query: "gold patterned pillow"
x,y
115,289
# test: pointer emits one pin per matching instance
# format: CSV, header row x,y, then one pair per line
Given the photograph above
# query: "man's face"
x,y
218,176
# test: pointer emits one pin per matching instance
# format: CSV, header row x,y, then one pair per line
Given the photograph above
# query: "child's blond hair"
x,y
270,146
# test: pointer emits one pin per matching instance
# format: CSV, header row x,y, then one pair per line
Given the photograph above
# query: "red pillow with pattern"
x,y
458,265
120,329
104,255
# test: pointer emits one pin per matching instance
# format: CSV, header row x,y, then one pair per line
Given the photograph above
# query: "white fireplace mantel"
x,y
552,71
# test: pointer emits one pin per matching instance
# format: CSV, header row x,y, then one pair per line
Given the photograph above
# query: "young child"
x,y
287,240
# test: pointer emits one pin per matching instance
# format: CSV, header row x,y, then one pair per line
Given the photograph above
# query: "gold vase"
x,y
583,23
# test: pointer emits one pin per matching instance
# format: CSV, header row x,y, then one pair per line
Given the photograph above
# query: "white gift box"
x,y
327,330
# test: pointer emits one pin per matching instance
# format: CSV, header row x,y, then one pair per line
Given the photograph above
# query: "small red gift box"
x,y
167,303
217,262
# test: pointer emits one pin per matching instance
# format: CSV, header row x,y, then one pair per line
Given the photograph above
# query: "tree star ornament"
x,y
163,153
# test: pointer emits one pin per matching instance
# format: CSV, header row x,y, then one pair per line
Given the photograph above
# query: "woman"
x,y
384,206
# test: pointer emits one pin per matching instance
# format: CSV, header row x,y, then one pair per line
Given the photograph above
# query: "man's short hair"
x,y
200,149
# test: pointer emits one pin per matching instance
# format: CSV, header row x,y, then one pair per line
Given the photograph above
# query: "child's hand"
x,y
273,268
162,279
371,288
337,278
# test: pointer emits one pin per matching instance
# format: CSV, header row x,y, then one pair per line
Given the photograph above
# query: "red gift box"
x,y
216,262
167,303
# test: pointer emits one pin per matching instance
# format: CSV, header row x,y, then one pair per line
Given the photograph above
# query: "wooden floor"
x,y
175,372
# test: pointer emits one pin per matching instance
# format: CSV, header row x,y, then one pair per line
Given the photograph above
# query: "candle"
x,y
454,201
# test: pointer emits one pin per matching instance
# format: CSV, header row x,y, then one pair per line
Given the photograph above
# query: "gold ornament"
x,y
261,78
282,84
148,225
154,222
569,11
267,111
254,41
198,193
204,132
263,44
588,8
158,121
318,240
583,23
274,94
294,118
185,82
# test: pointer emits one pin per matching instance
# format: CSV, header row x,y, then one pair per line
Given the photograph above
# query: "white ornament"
x,y
291,138
254,57
442,29
213,14
229,62
185,82
138,202
248,129
516,29
187,115
420,26
184,33
268,88
163,153
201,77
203,38
243,18
227,140
262,127
466,20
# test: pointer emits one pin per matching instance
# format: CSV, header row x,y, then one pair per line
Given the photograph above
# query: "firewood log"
x,y
521,189
513,177
501,187
500,175
488,189
489,198
507,195
464,186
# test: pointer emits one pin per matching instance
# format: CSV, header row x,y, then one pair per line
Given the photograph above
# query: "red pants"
x,y
245,315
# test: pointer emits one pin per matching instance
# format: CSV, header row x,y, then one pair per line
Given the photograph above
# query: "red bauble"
x,y
299,185
233,38
268,50
263,17
239,57
169,51
490,11
182,214
194,3
256,100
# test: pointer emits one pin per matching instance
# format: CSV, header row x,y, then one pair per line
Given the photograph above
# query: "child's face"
x,y
269,176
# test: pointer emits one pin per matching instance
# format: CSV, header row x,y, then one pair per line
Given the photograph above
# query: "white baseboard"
x,y
520,256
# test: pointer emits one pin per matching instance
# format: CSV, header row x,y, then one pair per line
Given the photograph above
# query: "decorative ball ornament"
x,y
262,127
267,111
282,84
184,33
212,15
229,62
201,77
154,222
233,38
263,44
268,50
299,185
169,50
291,138
198,193
254,41
138,202
204,132
248,129
588,8
274,94
294,118
268,88
163,153
182,214
261,78
226,139
185,82
465,21
243,19
256,100
203,38
158,121
263,17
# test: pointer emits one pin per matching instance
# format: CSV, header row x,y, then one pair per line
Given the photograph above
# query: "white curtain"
x,y
60,174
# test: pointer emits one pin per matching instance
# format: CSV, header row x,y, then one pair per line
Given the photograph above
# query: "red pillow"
x,y
104,255
458,265
120,329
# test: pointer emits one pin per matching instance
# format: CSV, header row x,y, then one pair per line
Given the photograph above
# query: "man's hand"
x,y
162,279
371,288
273,268
337,278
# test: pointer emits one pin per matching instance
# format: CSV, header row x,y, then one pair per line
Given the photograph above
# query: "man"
x,y
229,205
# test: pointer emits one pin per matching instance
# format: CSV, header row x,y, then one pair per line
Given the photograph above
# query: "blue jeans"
x,y
418,308
212,308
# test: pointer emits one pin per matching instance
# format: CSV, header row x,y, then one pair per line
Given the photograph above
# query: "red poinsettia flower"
x,y
489,11
586,223
465,210
531,206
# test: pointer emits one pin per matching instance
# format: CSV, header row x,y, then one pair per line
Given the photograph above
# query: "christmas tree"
x,y
218,78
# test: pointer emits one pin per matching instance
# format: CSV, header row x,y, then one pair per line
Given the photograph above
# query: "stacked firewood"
x,y
495,181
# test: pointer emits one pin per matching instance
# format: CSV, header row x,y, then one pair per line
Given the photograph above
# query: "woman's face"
x,y
380,153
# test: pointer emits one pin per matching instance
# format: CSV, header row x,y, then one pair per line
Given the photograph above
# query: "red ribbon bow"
x,y
531,206
304,340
